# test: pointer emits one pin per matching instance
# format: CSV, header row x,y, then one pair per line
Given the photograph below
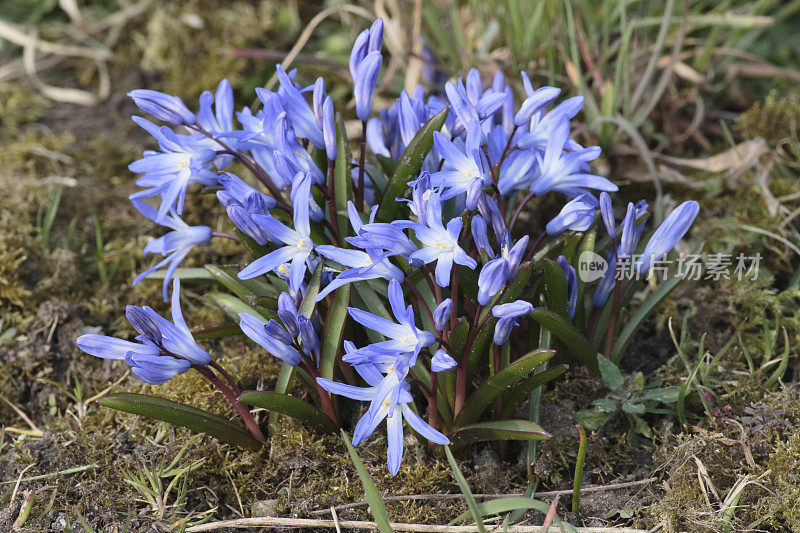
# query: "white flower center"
x,y
283,270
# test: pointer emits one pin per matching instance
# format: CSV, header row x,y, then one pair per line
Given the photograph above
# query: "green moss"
x,y
775,120
19,105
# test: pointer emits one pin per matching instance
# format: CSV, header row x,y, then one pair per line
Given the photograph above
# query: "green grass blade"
x,y
648,307
373,497
462,484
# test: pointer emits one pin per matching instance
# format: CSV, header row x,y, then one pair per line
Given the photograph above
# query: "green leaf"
x,y
610,373
341,177
464,486
555,288
284,380
633,408
231,283
648,307
308,304
373,497
524,388
571,337
217,332
605,405
257,250
483,397
181,415
504,505
289,406
232,306
183,273
498,430
388,165
666,395
256,286
334,328
592,419
408,166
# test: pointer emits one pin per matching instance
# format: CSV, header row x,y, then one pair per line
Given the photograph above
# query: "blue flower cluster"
x,y
459,216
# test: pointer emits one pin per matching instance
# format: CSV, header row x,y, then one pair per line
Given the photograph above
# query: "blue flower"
x,y
298,244
607,212
508,315
441,315
442,362
183,160
563,171
270,336
440,244
220,121
461,173
572,285
163,106
287,312
479,235
403,336
389,399
502,269
163,350
303,119
667,235
576,215
175,245
241,202
535,101
472,102
363,265
492,278
365,64
329,129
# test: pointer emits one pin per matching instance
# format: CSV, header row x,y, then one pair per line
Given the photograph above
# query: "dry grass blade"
x,y
12,33
270,521
309,30
549,494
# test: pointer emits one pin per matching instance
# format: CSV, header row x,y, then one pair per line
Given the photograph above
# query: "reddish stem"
x,y
240,408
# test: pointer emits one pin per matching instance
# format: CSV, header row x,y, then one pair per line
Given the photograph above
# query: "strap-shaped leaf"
x,y
252,246
230,282
289,406
483,397
388,165
504,505
183,273
245,289
181,415
373,497
498,430
217,332
334,328
232,306
408,166
308,304
555,288
341,177
571,337
524,388
626,335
